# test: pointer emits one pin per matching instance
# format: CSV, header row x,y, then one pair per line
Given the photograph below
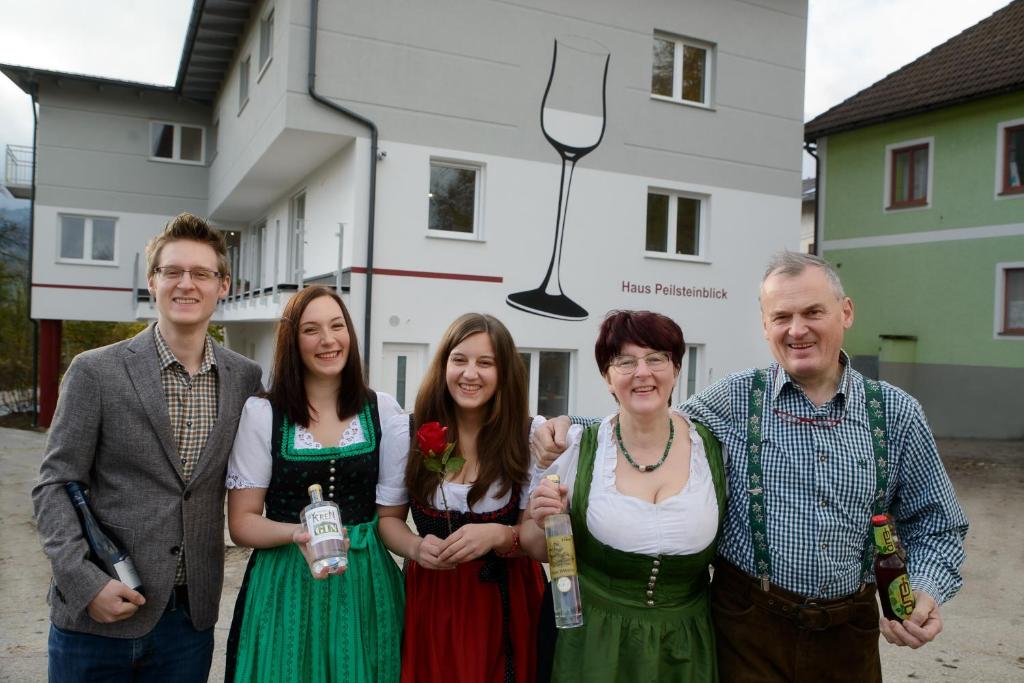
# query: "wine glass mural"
x,y
572,118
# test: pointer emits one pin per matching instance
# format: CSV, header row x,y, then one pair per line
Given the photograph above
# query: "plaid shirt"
x,y
819,481
192,407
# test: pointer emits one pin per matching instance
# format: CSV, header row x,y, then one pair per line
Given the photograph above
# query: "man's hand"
x,y
472,541
924,624
115,602
549,440
301,539
547,499
428,553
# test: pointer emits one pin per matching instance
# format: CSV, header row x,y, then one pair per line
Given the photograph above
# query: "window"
x,y
548,374
455,199
176,142
1010,299
88,239
243,83
1013,160
681,70
676,224
689,381
266,40
908,174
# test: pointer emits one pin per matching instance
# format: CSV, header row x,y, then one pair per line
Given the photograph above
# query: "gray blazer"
x,y
112,431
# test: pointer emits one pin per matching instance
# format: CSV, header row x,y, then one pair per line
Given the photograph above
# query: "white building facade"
x,y
696,179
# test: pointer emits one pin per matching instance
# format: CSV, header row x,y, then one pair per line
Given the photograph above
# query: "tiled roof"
x,y
987,59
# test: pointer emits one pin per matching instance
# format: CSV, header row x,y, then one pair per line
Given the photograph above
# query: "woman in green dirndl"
x,y
318,424
646,491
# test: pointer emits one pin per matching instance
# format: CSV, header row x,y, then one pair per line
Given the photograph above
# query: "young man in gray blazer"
x,y
146,425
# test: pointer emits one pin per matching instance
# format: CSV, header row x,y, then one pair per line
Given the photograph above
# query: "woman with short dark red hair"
x,y
646,491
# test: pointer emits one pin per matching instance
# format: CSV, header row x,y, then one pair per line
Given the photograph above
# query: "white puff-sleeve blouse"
x,y
394,453
251,462
680,525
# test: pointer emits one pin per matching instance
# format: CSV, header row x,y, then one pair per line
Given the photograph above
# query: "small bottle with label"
x,y
565,583
322,519
894,589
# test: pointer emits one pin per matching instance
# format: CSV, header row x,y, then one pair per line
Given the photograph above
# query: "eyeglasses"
x,y
173,273
827,422
627,365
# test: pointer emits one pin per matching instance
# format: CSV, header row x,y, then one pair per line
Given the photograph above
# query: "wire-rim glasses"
x,y
174,273
627,365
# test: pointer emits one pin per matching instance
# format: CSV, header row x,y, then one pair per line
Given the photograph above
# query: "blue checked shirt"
x,y
819,483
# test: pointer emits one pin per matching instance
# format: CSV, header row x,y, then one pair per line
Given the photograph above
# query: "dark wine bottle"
x,y
106,553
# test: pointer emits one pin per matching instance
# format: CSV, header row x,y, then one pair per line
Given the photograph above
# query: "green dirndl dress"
x,y
645,618
289,627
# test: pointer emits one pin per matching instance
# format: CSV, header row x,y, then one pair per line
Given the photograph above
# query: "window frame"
x,y
264,60
681,43
1003,130
889,203
533,377
703,226
693,369
477,235
87,239
244,82
176,146
1002,302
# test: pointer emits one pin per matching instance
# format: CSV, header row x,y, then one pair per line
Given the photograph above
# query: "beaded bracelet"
x,y
515,543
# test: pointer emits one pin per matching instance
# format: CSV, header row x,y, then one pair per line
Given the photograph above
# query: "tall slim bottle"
x,y
565,583
894,589
322,519
106,553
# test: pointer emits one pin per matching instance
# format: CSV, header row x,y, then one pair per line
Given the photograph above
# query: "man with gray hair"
x,y
814,450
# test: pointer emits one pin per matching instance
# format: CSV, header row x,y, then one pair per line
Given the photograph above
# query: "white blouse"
x,y
394,453
251,461
680,525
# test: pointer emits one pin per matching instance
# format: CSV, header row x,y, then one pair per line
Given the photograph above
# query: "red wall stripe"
x,y
427,274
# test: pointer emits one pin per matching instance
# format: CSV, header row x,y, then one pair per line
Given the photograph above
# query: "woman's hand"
x,y
472,541
300,537
428,552
547,499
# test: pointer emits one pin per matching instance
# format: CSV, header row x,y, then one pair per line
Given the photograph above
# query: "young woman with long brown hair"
x,y
318,424
472,598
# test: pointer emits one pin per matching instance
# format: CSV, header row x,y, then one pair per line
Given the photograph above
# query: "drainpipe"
x,y
33,93
313,10
812,149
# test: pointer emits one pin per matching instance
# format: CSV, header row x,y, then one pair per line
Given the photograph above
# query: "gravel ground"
x,y
984,626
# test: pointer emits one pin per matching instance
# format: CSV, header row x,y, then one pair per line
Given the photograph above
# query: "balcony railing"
x,y
18,162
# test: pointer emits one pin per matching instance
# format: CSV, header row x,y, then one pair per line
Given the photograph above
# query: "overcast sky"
x,y
850,44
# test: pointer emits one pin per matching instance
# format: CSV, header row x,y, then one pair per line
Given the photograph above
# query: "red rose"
x,y
432,438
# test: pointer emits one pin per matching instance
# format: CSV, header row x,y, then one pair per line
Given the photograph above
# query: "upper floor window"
x,y
266,40
681,69
88,239
1010,299
548,379
243,83
176,142
455,199
676,224
1012,143
909,174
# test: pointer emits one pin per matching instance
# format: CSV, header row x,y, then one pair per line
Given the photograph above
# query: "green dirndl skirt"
x,y
297,629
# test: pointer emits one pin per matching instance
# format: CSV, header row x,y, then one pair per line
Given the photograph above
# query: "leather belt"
x,y
806,613
178,599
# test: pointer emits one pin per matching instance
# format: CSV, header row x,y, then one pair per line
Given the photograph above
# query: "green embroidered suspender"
x,y
756,406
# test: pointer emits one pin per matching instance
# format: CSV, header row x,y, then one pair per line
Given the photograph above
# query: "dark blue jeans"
x,y
174,651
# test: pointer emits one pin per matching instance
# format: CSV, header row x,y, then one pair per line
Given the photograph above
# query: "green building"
x,y
921,208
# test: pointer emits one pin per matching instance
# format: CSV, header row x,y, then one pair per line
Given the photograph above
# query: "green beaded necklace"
x,y
645,468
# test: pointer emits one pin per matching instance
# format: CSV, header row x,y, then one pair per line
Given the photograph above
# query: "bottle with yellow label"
x,y
894,590
565,583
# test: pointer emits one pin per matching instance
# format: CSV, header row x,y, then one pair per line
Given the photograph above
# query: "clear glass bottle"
x,y
565,583
322,519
